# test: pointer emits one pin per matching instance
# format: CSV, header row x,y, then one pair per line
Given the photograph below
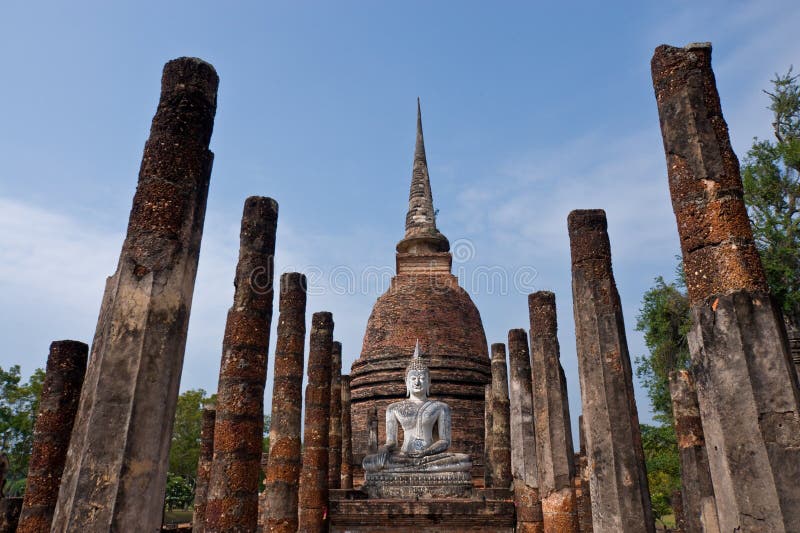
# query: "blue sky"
x,y
530,110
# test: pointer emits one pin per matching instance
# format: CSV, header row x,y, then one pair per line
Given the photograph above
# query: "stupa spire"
x,y
421,233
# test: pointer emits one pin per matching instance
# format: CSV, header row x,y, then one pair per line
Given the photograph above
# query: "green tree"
x,y
664,320
184,451
180,492
18,405
771,178
663,465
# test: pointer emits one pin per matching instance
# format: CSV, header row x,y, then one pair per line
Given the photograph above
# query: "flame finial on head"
x,y
416,361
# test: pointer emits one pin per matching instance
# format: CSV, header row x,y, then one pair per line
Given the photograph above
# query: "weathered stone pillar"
x,y
698,492
618,482
116,470
501,431
746,387
314,474
232,503
583,496
676,501
203,468
282,477
554,448
524,468
10,509
61,391
263,504
347,436
794,343
335,430
583,501
488,440
372,422
567,418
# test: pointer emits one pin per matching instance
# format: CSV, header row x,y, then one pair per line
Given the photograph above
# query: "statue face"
x,y
417,381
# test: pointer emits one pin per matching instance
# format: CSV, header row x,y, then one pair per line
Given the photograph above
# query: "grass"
x,y
178,516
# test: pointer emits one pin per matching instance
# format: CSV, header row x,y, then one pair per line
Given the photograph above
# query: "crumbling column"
x,y
794,343
524,468
347,436
116,470
618,482
314,474
676,502
203,468
58,404
335,430
232,503
501,432
583,502
698,492
263,504
554,448
488,435
10,509
746,387
583,497
282,477
372,422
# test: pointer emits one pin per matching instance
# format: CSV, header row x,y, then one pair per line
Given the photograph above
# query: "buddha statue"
x,y
426,431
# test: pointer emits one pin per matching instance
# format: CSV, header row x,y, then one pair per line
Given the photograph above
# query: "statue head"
x,y
417,374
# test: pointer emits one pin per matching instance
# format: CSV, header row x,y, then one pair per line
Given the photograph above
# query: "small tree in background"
x,y
184,450
771,178
19,403
664,320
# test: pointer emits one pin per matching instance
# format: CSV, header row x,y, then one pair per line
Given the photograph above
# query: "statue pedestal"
x,y
418,485
488,510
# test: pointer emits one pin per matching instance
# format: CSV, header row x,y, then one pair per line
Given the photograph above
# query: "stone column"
x,y
697,491
263,505
203,469
501,431
794,343
335,430
524,468
618,482
583,501
487,439
232,503
314,474
747,388
58,404
347,436
282,477
554,448
372,422
116,470
10,509
676,501
583,496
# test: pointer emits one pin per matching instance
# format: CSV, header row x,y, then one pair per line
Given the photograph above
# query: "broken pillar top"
x,y
589,244
322,319
188,99
542,311
498,351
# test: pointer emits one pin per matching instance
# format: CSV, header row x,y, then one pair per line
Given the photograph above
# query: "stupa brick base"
x,y
418,485
488,510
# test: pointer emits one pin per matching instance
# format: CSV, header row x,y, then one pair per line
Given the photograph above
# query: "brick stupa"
x,y
423,302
